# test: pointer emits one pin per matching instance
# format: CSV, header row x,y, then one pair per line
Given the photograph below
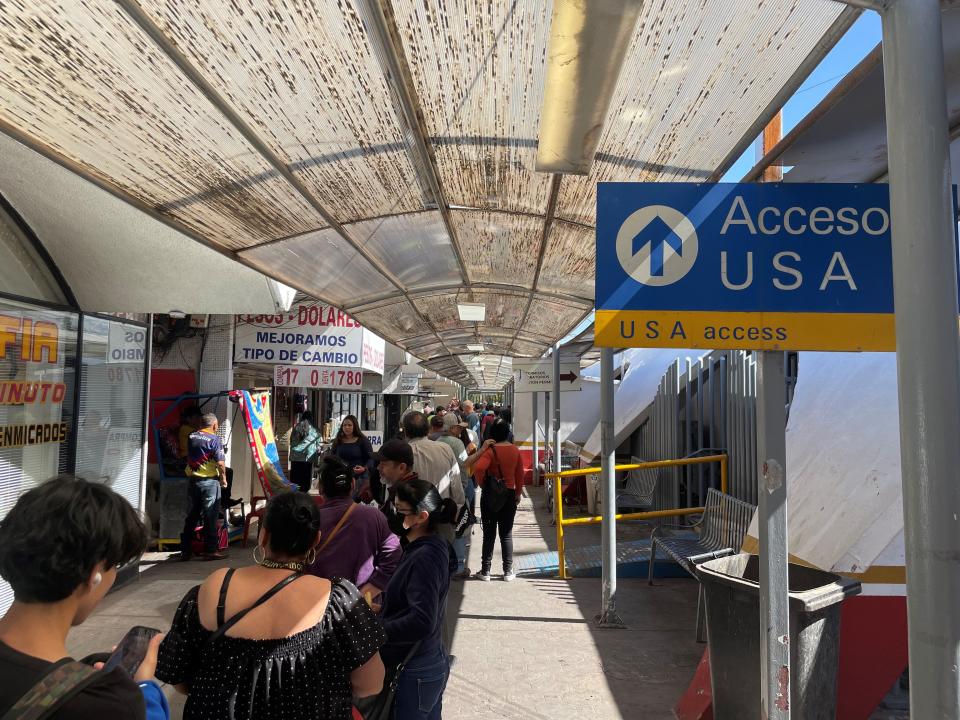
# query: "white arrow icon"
x,y
661,259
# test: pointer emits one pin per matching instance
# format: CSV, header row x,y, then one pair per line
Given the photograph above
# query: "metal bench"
x,y
639,487
721,528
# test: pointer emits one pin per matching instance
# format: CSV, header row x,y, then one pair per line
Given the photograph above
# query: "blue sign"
x,y
753,266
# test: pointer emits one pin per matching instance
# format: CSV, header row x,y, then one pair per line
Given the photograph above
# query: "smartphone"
x,y
131,650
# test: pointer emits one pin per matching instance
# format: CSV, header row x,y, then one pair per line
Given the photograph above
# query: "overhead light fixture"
x,y
588,42
471,312
475,348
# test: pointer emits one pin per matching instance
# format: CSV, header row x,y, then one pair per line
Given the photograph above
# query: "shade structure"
x,y
380,155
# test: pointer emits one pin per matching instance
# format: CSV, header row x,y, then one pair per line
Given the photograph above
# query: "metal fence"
x,y
704,406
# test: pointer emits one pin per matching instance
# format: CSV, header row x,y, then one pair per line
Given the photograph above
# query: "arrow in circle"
x,y
665,236
569,376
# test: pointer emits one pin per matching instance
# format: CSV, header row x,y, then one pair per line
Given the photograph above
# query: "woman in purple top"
x,y
358,546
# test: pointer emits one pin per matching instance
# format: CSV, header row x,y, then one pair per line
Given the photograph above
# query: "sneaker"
x,y
463,574
509,576
482,575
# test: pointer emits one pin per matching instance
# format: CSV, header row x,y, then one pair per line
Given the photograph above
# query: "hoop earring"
x,y
311,556
263,555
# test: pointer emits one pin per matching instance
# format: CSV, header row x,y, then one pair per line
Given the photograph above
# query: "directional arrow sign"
x,y
659,235
537,375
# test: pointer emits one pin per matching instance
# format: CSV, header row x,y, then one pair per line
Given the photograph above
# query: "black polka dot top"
x,y
305,676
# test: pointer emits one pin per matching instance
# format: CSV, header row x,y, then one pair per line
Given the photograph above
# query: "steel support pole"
x,y
772,524
547,425
608,459
556,408
536,442
928,348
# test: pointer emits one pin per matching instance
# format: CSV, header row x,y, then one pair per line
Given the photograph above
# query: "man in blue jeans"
x,y
207,470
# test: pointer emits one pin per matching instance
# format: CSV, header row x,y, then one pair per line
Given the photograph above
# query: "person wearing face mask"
x,y
395,463
60,547
415,602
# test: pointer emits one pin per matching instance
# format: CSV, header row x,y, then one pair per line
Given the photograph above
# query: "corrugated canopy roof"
x,y
379,154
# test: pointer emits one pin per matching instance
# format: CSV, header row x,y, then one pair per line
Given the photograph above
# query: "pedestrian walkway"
x,y
528,650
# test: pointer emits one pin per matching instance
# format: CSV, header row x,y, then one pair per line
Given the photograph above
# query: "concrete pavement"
x,y
527,650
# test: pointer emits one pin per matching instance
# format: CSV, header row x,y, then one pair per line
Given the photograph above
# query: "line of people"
x,y
344,599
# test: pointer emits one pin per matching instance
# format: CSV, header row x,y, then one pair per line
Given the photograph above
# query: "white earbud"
x,y
97,579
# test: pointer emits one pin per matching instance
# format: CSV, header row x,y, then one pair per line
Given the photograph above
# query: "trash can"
x,y
732,596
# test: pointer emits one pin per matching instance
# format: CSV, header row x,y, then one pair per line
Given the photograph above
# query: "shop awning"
x,y
379,154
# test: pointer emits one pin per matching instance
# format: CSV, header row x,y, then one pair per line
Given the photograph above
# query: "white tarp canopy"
x,y
643,368
843,463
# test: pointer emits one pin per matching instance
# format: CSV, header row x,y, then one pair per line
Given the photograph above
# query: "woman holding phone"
x,y
353,447
60,547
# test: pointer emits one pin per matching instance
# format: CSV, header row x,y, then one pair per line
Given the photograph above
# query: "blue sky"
x,y
852,48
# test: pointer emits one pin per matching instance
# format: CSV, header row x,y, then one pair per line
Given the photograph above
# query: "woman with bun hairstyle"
x,y
268,641
357,543
415,601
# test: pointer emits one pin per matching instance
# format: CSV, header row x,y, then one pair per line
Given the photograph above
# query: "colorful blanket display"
x,y
263,443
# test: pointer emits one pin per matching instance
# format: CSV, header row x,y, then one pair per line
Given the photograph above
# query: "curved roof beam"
x,y
142,20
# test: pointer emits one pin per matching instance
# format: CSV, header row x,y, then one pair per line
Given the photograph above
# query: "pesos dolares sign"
x,y
748,266
309,334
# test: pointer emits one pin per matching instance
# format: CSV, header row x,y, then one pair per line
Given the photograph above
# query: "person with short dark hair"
x,y
60,547
207,470
499,471
395,464
190,420
357,543
269,642
415,602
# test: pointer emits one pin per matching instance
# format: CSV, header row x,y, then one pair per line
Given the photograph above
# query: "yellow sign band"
x,y
850,332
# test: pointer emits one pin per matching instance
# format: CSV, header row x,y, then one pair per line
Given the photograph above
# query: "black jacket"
x,y
416,599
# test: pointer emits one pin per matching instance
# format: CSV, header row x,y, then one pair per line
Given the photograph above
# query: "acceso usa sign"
x,y
748,266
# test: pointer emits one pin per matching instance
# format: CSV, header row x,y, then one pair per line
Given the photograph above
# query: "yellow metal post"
x,y
723,473
558,518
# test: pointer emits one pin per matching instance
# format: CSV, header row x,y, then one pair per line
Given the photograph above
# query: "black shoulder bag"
x,y
380,707
495,493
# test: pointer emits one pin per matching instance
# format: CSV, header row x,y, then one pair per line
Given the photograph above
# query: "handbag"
x,y
380,706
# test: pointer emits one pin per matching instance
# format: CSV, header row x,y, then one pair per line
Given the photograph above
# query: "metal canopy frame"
x,y
489,35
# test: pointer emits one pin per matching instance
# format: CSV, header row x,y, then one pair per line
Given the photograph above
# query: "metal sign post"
x,y
772,509
928,348
556,408
608,460
536,442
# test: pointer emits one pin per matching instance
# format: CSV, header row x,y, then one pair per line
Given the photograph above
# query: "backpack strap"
x,y
220,631
222,602
59,684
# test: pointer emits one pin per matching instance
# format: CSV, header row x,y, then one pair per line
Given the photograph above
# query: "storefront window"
x,y
371,413
38,351
110,431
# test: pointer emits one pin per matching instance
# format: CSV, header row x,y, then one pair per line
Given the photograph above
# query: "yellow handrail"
x,y
648,515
